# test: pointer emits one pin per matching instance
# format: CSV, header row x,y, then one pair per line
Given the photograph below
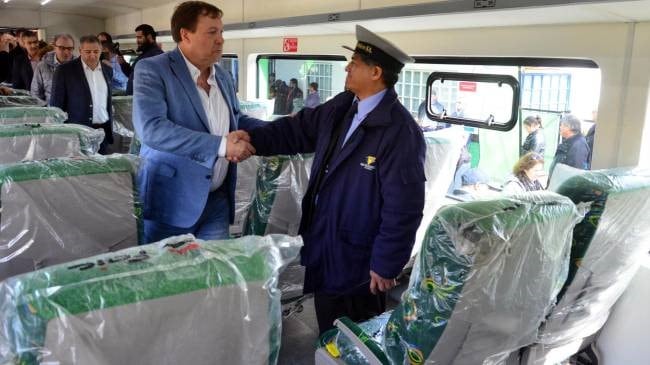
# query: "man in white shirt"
x,y
184,111
82,88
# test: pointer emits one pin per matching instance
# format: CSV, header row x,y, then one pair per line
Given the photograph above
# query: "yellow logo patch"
x,y
369,163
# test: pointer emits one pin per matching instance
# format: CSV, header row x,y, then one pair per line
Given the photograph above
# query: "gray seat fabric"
x,y
123,130
42,141
486,276
178,301
607,249
62,209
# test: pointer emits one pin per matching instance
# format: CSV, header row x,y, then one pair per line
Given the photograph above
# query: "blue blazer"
x,y
178,150
71,93
370,201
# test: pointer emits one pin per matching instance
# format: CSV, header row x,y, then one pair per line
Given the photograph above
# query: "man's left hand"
x,y
381,284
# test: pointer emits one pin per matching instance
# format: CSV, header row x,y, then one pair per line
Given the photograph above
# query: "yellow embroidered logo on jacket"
x,y
369,163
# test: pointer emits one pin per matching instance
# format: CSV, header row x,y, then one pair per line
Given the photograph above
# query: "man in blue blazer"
x,y
365,196
184,108
82,88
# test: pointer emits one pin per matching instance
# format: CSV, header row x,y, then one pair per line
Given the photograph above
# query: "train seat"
x,y
123,130
20,100
608,247
177,301
485,278
32,115
59,210
42,141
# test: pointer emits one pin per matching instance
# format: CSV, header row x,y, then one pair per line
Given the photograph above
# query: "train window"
x,y
230,63
482,100
549,88
290,83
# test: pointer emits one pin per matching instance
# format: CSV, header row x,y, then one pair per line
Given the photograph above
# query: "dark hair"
x,y
89,39
533,120
28,34
295,81
109,45
314,85
108,37
388,75
526,162
146,30
186,15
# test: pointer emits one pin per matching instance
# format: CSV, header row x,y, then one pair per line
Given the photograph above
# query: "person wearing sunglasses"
x,y
44,72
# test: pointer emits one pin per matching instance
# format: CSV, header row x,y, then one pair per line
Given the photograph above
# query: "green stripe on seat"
x,y
33,114
64,167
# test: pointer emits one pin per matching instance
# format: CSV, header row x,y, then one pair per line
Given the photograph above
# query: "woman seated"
x,y
526,174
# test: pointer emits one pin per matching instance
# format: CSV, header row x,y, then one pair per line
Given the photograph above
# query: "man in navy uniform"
x,y
366,192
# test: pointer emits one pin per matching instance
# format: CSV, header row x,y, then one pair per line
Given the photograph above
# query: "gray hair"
x,y
572,122
64,36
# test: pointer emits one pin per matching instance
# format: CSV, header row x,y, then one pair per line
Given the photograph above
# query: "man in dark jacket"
x,y
145,37
573,150
82,88
25,61
366,190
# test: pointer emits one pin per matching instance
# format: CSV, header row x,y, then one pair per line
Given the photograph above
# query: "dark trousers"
x,y
103,147
357,307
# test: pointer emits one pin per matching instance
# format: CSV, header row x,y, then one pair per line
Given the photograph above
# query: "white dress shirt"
x,y
98,91
218,113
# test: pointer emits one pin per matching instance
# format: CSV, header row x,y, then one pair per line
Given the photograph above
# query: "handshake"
x,y
238,146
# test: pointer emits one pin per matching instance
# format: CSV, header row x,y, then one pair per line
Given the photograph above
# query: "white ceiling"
x,y
94,8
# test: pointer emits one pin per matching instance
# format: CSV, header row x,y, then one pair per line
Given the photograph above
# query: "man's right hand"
x,y
238,147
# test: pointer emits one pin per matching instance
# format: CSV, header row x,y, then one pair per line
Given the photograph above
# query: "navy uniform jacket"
x,y
573,152
371,200
71,93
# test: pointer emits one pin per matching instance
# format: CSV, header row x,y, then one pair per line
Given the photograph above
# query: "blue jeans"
x,y
212,225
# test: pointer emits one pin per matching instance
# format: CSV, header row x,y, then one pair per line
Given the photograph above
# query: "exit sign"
x,y
290,45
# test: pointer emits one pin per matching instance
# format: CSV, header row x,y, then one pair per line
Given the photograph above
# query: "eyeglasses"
x,y
63,48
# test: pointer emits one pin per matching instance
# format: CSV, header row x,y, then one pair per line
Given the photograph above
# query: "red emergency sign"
x,y
290,45
467,86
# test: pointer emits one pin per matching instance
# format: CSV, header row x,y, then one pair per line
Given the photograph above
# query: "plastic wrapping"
x,y
20,92
59,210
609,245
487,275
244,192
442,153
20,100
42,141
254,109
281,184
123,115
178,301
32,115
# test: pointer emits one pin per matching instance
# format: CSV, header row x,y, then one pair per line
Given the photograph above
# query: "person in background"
x,y
7,45
313,99
44,73
591,134
109,58
44,48
458,110
145,37
25,63
525,174
366,193
294,93
279,91
105,37
82,88
573,151
535,139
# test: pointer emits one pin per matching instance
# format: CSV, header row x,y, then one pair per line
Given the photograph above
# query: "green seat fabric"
x,y
608,247
281,184
486,276
20,100
42,141
59,210
178,301
32,115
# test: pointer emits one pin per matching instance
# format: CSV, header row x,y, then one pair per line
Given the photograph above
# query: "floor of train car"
x,y
299,335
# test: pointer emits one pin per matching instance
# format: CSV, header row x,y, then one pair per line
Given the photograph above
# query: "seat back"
x,y
244,192
42,141
281,184
20,100
178,301
608,247
59,210
486,276
32,115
